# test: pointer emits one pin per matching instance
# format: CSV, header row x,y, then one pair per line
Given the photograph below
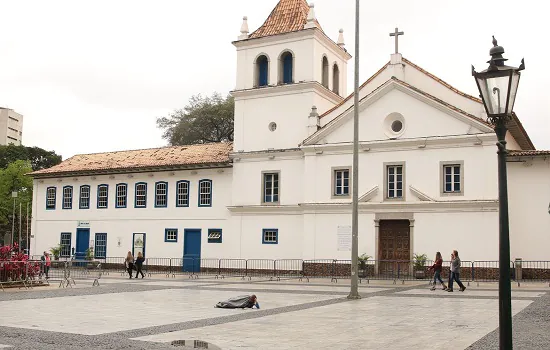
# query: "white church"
x,y
282,189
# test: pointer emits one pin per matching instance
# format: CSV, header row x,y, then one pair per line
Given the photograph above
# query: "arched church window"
x,y
336,79
325,72
286,68
262,71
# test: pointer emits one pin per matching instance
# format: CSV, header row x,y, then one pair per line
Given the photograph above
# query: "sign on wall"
x,y
83,224
343,235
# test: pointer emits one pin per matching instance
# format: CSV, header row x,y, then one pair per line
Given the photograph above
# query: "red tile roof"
x,y
288,16
144,159
532,153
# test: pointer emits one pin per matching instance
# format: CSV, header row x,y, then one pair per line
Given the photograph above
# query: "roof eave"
x,y
213,165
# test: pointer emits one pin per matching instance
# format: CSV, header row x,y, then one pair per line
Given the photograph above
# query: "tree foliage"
x,y
203,120
39,158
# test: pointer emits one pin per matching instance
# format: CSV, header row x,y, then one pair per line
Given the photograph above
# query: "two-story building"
x,y
282,190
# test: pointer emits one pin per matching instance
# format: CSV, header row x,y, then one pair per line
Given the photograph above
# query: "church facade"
x,y
282,189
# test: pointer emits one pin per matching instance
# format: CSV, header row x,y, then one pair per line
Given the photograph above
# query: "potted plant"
x,y
420,265
56,251
362,261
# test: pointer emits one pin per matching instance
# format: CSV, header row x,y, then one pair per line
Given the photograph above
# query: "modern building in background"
x,y
282,189
11,127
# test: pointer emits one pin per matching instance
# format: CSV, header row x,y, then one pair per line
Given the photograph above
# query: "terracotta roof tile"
x,y
176,156
288,16
518,153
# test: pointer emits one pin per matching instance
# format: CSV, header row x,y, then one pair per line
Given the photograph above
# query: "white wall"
x,y
529,206
121,223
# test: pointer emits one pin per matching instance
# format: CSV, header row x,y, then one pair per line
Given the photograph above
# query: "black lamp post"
x,y
497,86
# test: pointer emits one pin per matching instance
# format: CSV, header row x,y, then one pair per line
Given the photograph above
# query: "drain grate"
x,y
195,344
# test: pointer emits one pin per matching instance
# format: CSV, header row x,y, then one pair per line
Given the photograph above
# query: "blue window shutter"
x,y
287,69
263,73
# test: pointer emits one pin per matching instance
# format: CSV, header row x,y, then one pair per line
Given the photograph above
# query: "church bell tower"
x,y
284,68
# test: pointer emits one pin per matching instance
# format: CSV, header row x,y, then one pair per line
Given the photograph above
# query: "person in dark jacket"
x,y
139,264
455,272
437,267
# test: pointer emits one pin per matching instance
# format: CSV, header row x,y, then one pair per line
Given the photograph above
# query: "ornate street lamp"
x,y
498,86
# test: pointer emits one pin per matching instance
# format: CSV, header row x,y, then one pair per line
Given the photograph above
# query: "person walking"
x,y
139,264
129,263
437,267
455,272
48,264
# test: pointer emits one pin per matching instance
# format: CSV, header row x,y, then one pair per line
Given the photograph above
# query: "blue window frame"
x,y
102,196
182,193
84,199
288,62
50,198
161,194
270,236
262,64
171,235
67,197
65,243
214,235
140,200
121,199
205,193
100,249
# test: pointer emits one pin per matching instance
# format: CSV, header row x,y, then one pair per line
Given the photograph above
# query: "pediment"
x,y
421,114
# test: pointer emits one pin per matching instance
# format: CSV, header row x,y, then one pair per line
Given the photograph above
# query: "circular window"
x,y
397,126
394,125
272,126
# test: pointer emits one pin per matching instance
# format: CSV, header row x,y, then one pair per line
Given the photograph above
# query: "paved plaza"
x,y
152,313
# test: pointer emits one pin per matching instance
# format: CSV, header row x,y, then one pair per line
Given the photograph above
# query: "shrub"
x,y
15,265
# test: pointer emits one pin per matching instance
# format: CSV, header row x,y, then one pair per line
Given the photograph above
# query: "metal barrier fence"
x,y
396,270
25,274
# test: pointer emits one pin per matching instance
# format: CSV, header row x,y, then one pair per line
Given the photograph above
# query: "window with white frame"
x,y
271,188
341,182
102,196
100,250
161,194
141,195
395,181
214,235
68,197
50,197
171,235
182,194
65,244
84,197
270,236
452,178
205,193
121,195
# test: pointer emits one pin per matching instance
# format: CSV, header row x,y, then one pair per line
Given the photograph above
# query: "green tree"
x,y
14,179
38,157
203,120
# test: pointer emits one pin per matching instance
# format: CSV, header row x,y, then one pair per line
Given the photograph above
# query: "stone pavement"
x,y
151,313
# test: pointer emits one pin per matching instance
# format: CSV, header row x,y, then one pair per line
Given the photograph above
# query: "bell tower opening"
x,y
336,79
286,68
261,71
325,72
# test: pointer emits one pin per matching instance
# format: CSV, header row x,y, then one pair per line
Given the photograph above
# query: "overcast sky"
x,y
93,76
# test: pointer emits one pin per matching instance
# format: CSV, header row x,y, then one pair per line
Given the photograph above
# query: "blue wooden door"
x,y
82,243
191,250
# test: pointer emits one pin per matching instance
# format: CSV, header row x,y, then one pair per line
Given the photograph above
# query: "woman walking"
x,y
455,272
437,267
139,264
129,263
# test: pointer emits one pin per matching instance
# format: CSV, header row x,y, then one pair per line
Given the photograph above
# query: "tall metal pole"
x,y
504,284
13,221
28,238
20,204
354,293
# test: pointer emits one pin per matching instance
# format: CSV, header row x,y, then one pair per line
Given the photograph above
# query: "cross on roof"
x,y
396,34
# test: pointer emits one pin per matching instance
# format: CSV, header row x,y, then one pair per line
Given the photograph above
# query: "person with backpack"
x,y
139,265
455,272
